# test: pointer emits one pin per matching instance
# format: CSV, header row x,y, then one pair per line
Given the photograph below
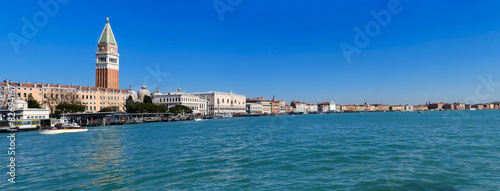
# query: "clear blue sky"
x,y
429,51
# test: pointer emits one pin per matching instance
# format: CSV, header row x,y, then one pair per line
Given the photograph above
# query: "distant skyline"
x,y
428,51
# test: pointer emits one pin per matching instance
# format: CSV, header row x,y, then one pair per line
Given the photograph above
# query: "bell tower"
x,y
107,60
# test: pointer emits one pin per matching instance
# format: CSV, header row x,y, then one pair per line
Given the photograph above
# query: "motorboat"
x,y
63,126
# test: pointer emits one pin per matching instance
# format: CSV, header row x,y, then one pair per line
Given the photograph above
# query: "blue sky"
x,y
429,51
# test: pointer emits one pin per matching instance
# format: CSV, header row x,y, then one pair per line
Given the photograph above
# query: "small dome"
x,y
157,93
20,104
131,91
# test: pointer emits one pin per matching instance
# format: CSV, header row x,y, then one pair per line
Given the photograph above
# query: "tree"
x,y
130,105
70,108
110,109
180,109
33,103
147,99
137,107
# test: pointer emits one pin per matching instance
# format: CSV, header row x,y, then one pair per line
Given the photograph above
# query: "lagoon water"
x,y
451,150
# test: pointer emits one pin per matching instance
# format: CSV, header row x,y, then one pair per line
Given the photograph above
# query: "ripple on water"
x,y
370,151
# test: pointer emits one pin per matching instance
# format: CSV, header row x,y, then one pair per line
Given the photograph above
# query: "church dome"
x,y
132,92
20,104
143,92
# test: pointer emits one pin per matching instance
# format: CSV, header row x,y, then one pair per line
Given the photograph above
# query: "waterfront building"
x,y
300,107
332,106
408,107
275,107
50,95
467,106
194,102
397,108
288,109
350,108
436,106
23,112
456,106
282,106
361,108
323,107
254,108
327,106
220,102
420,107
339,108
372,108
268,107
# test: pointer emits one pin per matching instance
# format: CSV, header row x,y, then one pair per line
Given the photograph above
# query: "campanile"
x,y
107,60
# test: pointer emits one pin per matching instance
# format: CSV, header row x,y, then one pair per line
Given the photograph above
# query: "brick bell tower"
x,y
107,60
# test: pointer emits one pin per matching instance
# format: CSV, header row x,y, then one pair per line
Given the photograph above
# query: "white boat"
x,y
225,115
59,131
198,119
63,126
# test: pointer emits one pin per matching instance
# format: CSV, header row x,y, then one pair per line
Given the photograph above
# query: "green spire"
x,y
107,35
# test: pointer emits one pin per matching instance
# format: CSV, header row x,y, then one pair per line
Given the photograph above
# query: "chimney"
x,y
27,82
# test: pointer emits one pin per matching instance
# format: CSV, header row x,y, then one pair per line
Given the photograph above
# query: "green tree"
x,y
57,114
180,109
136,107
130,106
70,108
110,109
33,103
147,99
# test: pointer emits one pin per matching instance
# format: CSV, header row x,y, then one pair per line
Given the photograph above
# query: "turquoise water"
x,y
454,150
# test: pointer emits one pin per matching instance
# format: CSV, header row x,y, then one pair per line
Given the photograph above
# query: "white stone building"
x,y
301,108
23,112
194,102
266,107
254,108
333,106
220,102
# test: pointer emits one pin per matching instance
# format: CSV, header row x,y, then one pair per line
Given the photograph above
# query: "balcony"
x,y
107,52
